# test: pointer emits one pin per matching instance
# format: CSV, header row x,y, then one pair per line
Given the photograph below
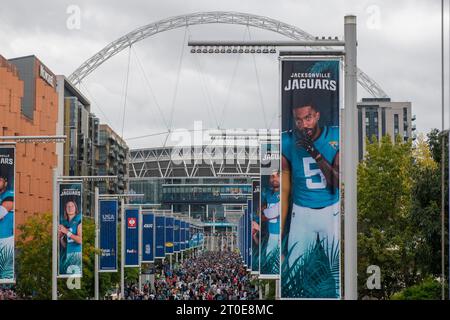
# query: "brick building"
x,y
29,106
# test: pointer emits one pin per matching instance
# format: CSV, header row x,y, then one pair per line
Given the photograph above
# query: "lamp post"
x,y
350,128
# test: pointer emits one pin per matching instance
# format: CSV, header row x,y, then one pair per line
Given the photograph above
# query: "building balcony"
x,y
413,127
413,118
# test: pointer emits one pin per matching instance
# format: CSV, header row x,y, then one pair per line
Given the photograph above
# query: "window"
x,y
396,125
372,122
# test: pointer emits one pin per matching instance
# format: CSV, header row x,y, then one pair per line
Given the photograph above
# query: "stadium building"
x,y
209,182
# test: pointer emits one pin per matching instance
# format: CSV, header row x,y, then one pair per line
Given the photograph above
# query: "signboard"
x,y
310,206
269,216
148,235
7,210
176,235
188,235
70,230
131,237
255,226
169,235
248,234
160,237
108,235
182,236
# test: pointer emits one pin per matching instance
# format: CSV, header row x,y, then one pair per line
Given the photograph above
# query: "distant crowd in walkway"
x,y
209,276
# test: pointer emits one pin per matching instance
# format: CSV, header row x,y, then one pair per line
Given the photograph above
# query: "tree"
x,y
34,262
386,237
428,289
34,257
425,214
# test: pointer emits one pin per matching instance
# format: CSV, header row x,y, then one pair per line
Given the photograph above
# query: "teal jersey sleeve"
x,y
7,223
308,182
8,195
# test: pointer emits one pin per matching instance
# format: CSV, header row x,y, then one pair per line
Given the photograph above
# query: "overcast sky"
x,y
399,47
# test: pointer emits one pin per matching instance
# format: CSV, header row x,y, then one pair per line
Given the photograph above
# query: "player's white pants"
x,y
307,223
273,243
274,239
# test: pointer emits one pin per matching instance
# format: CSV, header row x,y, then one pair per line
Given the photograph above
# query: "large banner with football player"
x,y
310,198
248,235
270,212
255,226
7,170
70,230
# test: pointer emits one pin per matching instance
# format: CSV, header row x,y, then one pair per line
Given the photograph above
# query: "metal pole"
x,y
448,144
140,248
214,231
55,238
232,239
351,160
96,275
122,249
442,159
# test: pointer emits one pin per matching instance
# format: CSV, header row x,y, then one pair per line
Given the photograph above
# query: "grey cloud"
x,y
403,58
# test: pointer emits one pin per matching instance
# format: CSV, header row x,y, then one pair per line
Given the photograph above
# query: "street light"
x,y
350,134
259,46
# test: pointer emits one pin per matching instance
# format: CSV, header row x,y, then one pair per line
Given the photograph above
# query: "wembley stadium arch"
x,y
200,187
216,17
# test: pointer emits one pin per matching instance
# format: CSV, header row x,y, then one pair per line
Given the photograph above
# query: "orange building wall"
x,y
34,161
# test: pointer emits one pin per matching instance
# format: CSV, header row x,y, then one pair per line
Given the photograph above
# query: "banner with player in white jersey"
x,y
269,215
7,205
310,191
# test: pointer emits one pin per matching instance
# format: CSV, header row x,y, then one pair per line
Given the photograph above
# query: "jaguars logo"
x,y
334,144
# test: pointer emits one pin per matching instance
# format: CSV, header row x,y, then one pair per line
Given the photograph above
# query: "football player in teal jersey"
x,y
270,200
310,168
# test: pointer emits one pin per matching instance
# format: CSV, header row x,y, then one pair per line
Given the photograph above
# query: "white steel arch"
x,y
220,17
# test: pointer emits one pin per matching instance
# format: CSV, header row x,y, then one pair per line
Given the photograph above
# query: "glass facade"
x,y
405,124
396,125
372,123
210,193
111,159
